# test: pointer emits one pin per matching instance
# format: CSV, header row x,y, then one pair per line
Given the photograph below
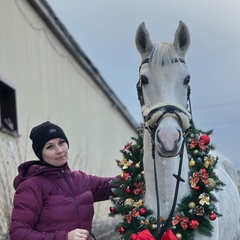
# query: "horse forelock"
x,y
161,55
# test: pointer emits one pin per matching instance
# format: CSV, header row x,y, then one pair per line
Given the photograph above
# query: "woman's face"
x,y
55,152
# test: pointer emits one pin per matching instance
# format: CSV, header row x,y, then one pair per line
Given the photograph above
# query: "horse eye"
x,y
144,80
186,80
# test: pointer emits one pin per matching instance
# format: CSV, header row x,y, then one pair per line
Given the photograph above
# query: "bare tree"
x,y
9,162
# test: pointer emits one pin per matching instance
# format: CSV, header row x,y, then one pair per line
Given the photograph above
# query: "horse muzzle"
x,y
167,124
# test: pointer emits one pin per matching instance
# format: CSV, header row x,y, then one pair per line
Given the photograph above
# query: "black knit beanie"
x,y
43,133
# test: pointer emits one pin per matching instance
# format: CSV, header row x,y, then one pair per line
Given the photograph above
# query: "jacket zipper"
x,y
72,196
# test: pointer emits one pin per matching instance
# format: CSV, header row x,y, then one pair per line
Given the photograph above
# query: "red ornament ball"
x,y
193,224
133,236
122,230
197,188
203,170
212,216
128,190
142,211
112,209
205,138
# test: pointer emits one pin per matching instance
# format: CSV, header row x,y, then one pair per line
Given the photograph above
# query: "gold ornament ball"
x,y
192,205
211,183
137,165
192,163
179,236
195,152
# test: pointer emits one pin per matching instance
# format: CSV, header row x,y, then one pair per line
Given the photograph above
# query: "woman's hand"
x,y
78,234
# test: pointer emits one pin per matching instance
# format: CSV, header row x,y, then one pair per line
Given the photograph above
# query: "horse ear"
x,y
181,39
143,42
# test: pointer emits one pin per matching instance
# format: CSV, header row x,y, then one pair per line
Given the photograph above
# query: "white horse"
x,y
164,82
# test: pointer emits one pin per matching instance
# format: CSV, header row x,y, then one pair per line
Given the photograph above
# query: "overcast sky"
x,y
105,31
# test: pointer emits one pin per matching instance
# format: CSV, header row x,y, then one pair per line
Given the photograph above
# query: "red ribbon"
x,y
197,176
127,147
139,188
183,221
134,213
200,143
146,235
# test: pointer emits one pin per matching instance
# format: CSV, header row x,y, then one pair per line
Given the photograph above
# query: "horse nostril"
x,y
180,134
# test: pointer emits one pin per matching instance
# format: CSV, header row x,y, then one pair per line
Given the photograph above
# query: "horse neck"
x,y
166,182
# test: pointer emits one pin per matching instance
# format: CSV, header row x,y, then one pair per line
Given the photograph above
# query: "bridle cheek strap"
x,y
153,113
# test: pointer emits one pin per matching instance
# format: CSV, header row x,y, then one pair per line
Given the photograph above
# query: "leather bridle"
x,y
152,116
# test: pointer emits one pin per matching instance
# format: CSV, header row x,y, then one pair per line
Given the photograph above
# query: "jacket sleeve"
x,y
27,205
101,187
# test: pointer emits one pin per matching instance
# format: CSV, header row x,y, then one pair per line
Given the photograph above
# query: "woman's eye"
x,y
61,142
49,146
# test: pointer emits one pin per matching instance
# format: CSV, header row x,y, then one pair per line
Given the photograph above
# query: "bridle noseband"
x,y
152,116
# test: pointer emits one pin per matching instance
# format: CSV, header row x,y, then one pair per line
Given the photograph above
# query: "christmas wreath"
x,y
195,211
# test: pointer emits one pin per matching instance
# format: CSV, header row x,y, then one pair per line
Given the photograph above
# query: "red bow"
x,y
127,147
143,235
197,176
182,220
133,213
200,143
146,235
168,235
138,188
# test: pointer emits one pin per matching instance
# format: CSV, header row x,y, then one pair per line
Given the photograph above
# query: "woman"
x,y
51,201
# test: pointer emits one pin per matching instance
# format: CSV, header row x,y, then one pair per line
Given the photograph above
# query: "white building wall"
x,y
51,85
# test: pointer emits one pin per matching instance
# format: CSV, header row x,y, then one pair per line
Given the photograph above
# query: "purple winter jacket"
x,y
51,201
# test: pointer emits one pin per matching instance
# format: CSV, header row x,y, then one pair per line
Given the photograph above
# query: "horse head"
x,y
163,88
